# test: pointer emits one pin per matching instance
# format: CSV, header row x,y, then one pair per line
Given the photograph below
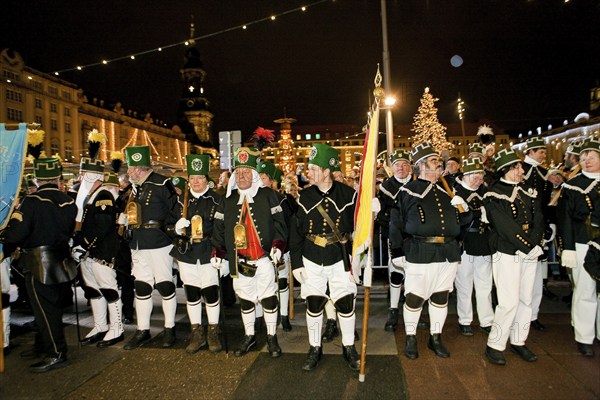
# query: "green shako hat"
x,y
266,167
535,143
324,156
197,164
592,143
505,157
477,148
472,165
180,182
111,179
398,155
421,152
47,168
138,156
574,148
91,165
246,157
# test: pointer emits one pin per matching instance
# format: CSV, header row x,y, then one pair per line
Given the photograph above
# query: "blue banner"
x,y
13,148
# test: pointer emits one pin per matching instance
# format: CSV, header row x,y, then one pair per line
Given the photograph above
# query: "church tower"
x,y
194,111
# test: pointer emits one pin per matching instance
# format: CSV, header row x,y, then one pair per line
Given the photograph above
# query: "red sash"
x,y
254,250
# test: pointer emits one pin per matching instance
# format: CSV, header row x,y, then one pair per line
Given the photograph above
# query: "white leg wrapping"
x,y
169,307
116,325
437,318
194,311
411,320
248,319
6,325
99,313
143,311
284,298
314,326
212,312
347,328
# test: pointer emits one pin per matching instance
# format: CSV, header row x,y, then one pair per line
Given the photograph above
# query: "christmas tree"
x,y
427,128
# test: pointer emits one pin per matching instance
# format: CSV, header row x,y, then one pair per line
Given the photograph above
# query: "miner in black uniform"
x,y
123,259
518,227
580,224
270,175
193,254
251,228
475,269
452,171
424,226
96,247
151,213
388,193
536,177
321,265
41,228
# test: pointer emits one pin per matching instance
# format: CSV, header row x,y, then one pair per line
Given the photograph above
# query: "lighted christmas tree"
x,y
427,128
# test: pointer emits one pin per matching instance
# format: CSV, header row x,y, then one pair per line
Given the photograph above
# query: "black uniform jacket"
x,y
99,227
388,192
512,212
579,205
476,235
266,213
536,178
159,203
423,210
339,204
205,206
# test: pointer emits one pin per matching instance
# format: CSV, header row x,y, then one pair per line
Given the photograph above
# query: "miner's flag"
x,y
363,216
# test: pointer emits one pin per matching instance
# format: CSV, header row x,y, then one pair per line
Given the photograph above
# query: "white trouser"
x,y
98,276
514,279
541,273
474,271
585,307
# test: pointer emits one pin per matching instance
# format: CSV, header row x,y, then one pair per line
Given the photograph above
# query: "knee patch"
x,y
315,304
91,293
269,304
345,305
166,289
414,302
396,278
246,306
211,294
283,284
192,293
5,300
439,299
142,289
110,295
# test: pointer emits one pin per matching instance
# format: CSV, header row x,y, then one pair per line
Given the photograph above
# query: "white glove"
x,y
568,258
484,217
399,262
275,255
179,225
553,235
216,262
375,205
457,200
532,255
224,268
300,275
77,252
122,219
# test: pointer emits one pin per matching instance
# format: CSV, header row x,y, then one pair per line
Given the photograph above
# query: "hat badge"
x,y
136,157
196,164
313,153
243,157
333,162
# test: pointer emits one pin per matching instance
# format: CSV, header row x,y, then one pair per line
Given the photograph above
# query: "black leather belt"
x,y
152,225
323,240
434,239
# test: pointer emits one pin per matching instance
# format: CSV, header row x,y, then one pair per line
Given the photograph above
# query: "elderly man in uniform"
x,y
150,213
269,175
424,226
193,253
518,226
251,228
96,248
321,229
388,193
580,224
475,269
41,228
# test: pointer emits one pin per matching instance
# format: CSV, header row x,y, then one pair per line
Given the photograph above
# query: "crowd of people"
x,y
487,223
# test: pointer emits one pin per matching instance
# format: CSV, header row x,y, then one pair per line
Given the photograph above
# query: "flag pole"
x,y
369,155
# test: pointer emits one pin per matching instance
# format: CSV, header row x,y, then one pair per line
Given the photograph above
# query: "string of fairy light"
x,y
189,41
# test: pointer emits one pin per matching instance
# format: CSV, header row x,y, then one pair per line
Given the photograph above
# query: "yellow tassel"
x,y
58,157
35,137
95,136
117,155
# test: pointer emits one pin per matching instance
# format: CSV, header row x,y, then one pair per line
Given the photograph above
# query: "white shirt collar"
x,y
196,194
531,161
592,175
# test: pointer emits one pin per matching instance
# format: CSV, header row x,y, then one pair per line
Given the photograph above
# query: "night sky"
x,y
527,63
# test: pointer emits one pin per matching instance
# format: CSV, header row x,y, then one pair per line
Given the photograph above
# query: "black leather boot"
x,y
392,321
435,344
315,353
168,337
495,356
273,346
139,339
410,348
351,356
523,352
245,346
331,331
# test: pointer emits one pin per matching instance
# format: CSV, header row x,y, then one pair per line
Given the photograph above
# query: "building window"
x,y
39,103
14,96
39,120
53,107
67,112
66,95
53,90
307,136
298,137
11,75
37,86
53,124
67,127
54,147
317,136
14,115
68,151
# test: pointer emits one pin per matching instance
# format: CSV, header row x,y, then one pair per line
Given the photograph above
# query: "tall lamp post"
x,y
389,101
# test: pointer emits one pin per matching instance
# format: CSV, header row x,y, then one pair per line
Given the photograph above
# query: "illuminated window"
x,y
317,136
307,136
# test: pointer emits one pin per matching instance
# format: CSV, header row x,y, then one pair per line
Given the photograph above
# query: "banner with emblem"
x,y
363,215
13,149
